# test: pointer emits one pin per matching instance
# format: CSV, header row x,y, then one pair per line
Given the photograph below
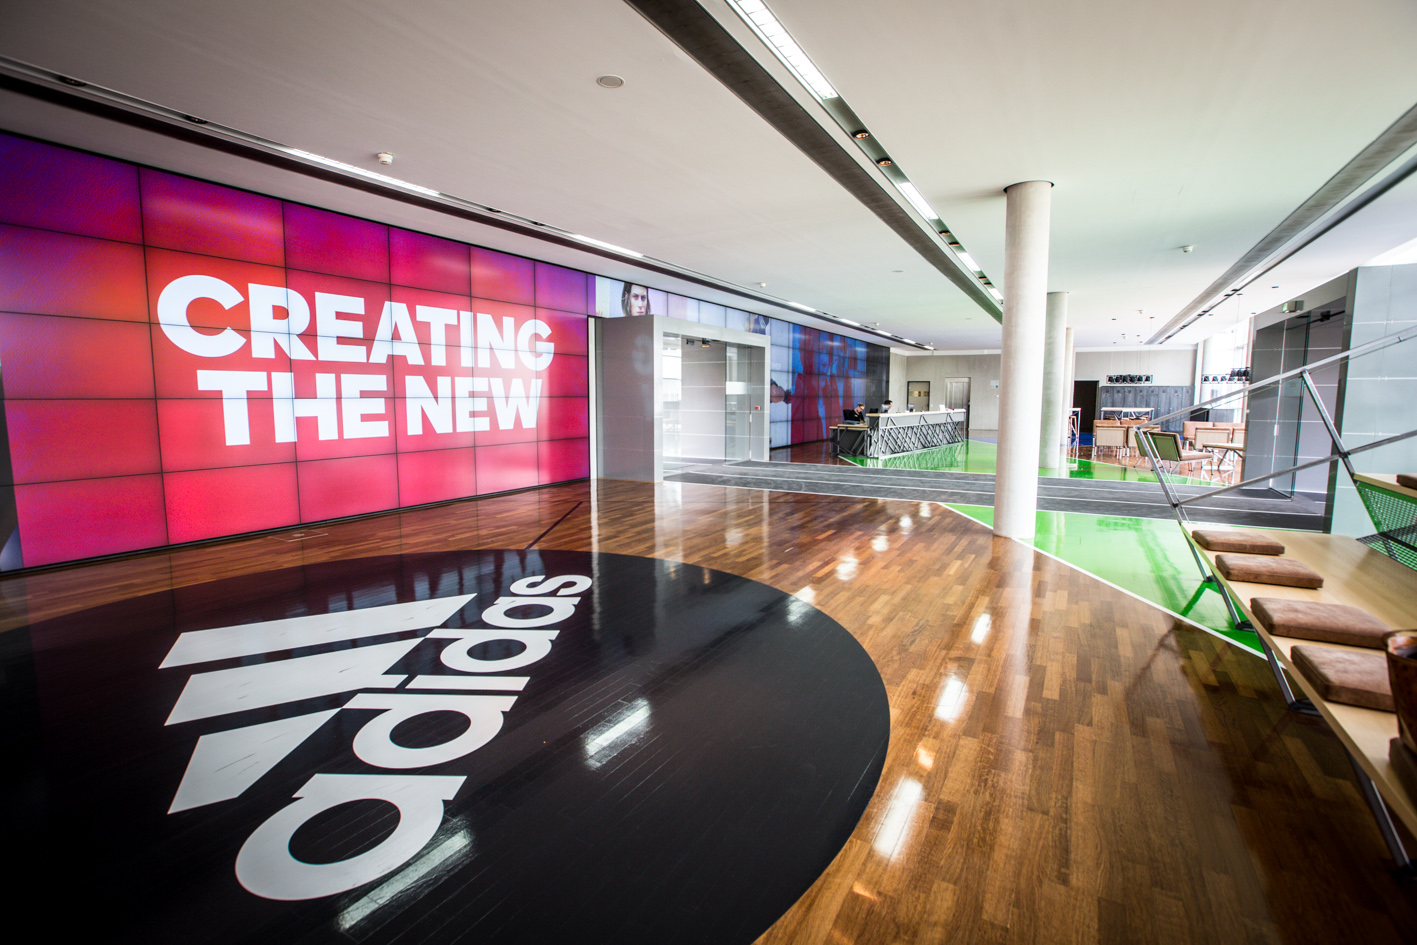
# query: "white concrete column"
x,y
1052,430
1070,363
1021,377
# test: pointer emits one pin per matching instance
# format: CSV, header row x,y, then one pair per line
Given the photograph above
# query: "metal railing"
x,y
1341,453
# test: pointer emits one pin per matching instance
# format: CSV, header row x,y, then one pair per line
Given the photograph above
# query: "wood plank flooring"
x,y
1067,764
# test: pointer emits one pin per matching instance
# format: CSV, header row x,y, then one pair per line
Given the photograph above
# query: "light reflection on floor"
x,y
1147,556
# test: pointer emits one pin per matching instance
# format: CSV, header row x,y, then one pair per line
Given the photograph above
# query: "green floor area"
x,y
976,456
1149,557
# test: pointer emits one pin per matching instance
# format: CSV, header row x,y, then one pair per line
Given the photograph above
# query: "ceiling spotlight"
x,y
1188,248
762,285
385,157
885,162
610,82
861,135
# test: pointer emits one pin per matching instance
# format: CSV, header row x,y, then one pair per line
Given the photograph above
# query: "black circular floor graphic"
x,y
478,746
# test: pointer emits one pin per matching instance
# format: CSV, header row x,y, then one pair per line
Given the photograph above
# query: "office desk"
x,y
890,434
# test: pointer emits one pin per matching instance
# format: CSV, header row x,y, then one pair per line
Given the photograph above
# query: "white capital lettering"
x,y
542,360
503,342
329,327
234,386
172,315
509,405
355,406
267,331
394,320
324,407
439,320
465,337
421,402
464,405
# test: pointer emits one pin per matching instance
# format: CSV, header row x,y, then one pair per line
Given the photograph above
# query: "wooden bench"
x,y
1359,576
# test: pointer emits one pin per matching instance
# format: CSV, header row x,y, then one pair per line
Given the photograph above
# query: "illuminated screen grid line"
x,y
184,360
176,417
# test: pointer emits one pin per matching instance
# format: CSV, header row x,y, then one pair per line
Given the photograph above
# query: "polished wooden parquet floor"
x,y
1067,764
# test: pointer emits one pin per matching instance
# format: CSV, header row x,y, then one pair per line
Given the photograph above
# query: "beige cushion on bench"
x,y
1353,677
1224,539
1327,623
1404,479
1263,569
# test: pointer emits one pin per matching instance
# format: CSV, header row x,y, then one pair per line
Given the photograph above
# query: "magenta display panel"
x,y
184,361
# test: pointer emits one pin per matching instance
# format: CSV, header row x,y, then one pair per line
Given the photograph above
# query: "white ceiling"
x,y
1161,124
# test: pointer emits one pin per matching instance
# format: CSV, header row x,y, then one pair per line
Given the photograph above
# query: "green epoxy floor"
x,y
1147,556
975,456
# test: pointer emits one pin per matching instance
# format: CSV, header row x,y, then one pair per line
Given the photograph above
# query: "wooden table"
x,y
1357,575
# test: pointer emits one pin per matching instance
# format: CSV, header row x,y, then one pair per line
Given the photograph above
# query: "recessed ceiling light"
x,y
885,162
861,135
762,285
610,82
967,259
772,32
917,201
604,245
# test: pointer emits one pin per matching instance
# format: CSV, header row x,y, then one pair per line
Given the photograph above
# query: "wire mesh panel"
x,y
1395,516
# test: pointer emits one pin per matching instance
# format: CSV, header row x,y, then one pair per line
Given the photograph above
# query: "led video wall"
x,y
815,374
182,361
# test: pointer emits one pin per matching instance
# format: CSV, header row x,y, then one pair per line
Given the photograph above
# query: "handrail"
x,y
1341,453
1396,337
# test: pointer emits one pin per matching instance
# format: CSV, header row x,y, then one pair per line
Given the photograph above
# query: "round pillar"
x,y
1021,375
1051,420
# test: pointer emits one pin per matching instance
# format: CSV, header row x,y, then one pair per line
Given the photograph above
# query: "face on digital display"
x,y
635,300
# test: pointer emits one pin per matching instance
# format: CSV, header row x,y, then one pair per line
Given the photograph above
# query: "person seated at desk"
x,y
854,416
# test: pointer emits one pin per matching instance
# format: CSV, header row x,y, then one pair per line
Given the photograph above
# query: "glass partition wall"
x,y
710,404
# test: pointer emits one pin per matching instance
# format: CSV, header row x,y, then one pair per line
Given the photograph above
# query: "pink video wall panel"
x,y
183,361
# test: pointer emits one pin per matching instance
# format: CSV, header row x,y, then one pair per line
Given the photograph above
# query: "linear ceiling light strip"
x,y
1396,140
694,30
789,52
25,79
